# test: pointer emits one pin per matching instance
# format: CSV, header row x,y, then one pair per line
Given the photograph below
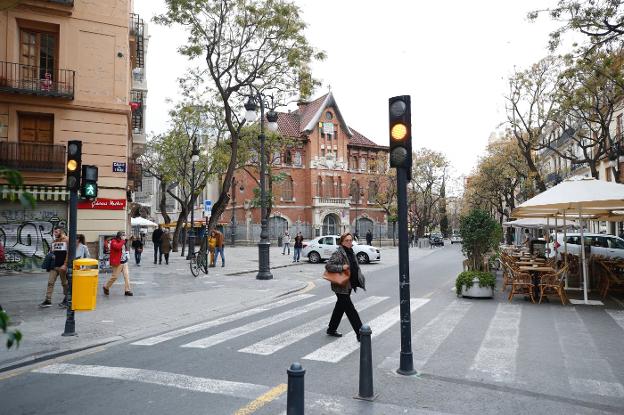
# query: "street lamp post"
x,y
191,237
233,234
264,271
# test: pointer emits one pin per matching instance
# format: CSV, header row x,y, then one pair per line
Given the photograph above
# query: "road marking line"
x,y
262,400
212,323
257,325
338,349
497,354
174,380
278,342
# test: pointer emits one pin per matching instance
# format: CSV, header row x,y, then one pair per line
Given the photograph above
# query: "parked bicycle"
x,y
199,260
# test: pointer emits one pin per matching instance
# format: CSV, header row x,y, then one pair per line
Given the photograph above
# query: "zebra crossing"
x,y
494,356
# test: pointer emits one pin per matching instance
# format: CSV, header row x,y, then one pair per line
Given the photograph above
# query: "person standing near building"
x,y
165,247
119,263
298,247
60,247
156,239
286,242
219,248
81,247
369,237
137,245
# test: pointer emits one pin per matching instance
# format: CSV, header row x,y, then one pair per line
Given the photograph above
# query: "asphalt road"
x,y
473,357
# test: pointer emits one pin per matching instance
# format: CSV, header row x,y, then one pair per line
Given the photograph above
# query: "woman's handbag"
x,y
339,278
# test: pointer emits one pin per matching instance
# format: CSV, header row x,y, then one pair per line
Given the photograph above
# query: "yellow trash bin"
x,y
84,284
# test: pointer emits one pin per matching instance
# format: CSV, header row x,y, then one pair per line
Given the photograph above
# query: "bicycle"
x,y
199,260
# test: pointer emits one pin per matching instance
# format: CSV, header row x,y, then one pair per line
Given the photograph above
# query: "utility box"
x,y
84,284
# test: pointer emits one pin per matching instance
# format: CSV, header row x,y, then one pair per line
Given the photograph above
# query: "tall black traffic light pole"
x,y
74,161
401,159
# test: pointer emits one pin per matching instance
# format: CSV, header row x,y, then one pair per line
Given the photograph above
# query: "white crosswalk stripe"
x,y
278,342
219,321
618,316
257,325
339,349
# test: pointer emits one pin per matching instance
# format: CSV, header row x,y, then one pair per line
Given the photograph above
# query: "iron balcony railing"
x,y
137,28
26,79
135,176
27,156
138,114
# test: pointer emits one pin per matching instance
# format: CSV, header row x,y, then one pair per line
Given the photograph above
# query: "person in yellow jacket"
x,y
212,243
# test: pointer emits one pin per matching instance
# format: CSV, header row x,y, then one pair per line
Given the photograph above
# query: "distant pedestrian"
x,y
60,248
82,251
341,260
119,263
369,237
527,238
286,242
165,247
212,244
219,248
137,245
156,237
298,247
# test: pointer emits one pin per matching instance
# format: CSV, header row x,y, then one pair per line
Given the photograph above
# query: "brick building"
x,y
69,70
331,178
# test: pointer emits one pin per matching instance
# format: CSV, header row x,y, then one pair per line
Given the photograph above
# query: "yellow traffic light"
x,y
398,132
72,165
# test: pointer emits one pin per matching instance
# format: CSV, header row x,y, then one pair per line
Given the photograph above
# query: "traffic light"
x,y
89,187
401,132
74,161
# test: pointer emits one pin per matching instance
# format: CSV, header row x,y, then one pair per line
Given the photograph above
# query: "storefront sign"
x,y
119,167
103,204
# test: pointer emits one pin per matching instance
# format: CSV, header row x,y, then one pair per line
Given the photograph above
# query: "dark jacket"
x,y
157,235
335,263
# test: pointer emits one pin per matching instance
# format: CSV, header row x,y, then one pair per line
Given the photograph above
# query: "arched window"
x,y
288,158
330,225
353,163
355,191
363,164
287,189
372,191
277,226
297,158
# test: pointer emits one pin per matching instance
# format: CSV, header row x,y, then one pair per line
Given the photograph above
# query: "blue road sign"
x,y
207,207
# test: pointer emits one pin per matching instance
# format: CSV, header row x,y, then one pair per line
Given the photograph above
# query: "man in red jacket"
x,y
118,262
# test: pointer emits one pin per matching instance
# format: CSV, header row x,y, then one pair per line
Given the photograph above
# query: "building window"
x,y
355,191
38,128
297,158
330,225
277,158
372,191
287,189
329,187
363,164
288,158
319,187
339,187
353,163
38,53
328,115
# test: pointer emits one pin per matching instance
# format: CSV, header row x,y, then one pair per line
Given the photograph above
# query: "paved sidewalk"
x,y
165,296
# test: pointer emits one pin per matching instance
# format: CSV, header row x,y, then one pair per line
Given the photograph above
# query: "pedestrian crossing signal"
x,y
89,187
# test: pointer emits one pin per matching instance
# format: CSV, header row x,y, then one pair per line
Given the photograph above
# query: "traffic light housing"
x,y
74,162
89,186
401,132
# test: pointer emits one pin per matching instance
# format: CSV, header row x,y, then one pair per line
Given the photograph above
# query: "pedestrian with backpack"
x,y
60,249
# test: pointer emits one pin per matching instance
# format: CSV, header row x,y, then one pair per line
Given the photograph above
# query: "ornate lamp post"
x,y
191,237
264,272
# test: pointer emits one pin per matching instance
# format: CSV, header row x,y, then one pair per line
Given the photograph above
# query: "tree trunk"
x,y
179,223
163,202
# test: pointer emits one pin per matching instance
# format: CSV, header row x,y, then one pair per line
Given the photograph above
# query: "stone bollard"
x,y
366,365
294,398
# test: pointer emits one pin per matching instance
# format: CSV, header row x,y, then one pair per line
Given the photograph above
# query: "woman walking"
x,y
137,245
81,247
119,263
165,247
341,260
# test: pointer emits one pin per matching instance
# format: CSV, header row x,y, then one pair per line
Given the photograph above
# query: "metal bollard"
x,y
366,365
294,398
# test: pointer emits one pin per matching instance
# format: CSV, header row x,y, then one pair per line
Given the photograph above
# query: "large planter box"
x,y
476,291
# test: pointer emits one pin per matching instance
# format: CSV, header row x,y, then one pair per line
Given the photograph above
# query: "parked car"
x,y
456,239
436,239
321,248
598,243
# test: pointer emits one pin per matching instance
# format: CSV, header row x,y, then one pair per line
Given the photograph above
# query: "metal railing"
x,y
138,114
26,79
135,176
330,201
33,156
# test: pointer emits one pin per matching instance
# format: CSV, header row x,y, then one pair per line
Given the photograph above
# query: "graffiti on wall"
x,y
26,235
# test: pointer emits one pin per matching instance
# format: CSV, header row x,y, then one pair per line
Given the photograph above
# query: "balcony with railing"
x,y
25,156
33,80
137,30
138,112
330,201
135,176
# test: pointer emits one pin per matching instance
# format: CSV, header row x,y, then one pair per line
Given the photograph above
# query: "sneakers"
x,y
106,292
46,303
128,293
64,303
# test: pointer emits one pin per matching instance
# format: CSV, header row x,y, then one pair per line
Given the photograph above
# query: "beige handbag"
x,y
339,278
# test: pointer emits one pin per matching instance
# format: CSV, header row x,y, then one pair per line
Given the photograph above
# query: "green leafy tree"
x,y
248,46
429,172
480,234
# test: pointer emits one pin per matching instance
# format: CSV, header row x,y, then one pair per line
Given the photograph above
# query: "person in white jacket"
x,y
286,242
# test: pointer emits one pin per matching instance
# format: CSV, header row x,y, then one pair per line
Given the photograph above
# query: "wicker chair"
x,y
521,284
554,284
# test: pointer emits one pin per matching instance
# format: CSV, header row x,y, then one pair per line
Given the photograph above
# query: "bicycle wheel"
x,y
203,261
195,267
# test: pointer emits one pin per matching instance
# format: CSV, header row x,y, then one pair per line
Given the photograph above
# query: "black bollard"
x,y
366,365
294,398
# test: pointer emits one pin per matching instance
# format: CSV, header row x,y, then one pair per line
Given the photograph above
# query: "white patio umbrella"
x,y
141,222
539,223
582,197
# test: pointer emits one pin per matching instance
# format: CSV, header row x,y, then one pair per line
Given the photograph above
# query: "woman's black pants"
x,y
344,305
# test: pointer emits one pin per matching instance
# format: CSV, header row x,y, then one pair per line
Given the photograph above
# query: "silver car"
x,y
597,243
321,248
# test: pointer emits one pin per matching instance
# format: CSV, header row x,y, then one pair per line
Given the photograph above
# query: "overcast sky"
x,y
453,57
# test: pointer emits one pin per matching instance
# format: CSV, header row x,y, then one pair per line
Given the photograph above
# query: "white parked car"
x,y
456,239
601,244
321,248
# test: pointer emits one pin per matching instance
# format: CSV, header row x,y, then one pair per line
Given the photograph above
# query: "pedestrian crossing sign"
x,y
90,190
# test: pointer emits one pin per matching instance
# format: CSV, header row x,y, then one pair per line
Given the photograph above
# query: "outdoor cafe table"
x,y
536,272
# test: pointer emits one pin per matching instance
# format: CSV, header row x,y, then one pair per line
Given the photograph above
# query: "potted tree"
x,y
480,235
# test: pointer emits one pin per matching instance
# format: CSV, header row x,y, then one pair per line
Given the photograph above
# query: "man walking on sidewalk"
x,y
157,239
298,246
60,248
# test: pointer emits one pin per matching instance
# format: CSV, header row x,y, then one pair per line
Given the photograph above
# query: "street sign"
x,y
119,167
207,207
